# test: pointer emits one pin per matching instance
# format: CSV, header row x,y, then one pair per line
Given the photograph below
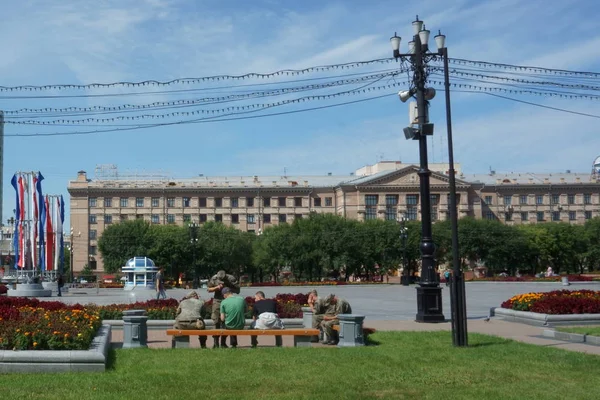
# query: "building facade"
x,y
385,190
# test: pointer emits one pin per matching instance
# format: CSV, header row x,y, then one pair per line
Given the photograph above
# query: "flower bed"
x,y
556,302
3,289
528,278
324,283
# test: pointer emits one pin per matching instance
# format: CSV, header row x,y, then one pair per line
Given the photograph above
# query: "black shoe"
x,y
331,342
224,346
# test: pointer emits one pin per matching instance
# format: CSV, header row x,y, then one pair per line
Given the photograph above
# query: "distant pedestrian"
x,y
159,283
447,277
60,283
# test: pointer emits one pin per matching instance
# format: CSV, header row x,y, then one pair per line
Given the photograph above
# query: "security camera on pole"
x,y
429,292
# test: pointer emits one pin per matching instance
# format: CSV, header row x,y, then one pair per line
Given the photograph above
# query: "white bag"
x,y
268,320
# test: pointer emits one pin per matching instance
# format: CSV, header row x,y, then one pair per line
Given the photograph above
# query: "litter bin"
x,y
565,281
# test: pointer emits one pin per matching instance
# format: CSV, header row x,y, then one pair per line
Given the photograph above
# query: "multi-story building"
x,y
381,191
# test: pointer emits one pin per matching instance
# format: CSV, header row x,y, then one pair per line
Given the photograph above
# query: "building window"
x,y
572,216
281,202
488,200
540,216
124,202
107,202
297,216
108,219
539,199
249,201
411,213
250,218
171,202
170,218
155,202
317,202
297,201
139,202
202,218
235,202
587,198
187,202
155,219
267,202
282,218
489,215
412,199
202,201
328,201
123,217
524,216
218,202
555,198
92,218
391,207
218,217
555,215
588,214
93,250
92,201
448,199
93,234
371,201
187,218
523,199
508,216
571,199
235,218
267,218
139,216
507,199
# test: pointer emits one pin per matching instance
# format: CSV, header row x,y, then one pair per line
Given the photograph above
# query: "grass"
x,y
593,330
405,365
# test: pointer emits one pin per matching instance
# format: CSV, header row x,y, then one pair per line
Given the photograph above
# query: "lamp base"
x,y
429,304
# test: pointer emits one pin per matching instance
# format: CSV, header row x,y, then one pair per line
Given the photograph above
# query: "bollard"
x,y
351,330
565,281
135,330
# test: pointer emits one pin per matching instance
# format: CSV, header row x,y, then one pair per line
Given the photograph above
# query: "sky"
x,y
102,41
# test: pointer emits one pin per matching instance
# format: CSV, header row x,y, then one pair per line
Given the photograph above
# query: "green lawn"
x,y
405,365
593,330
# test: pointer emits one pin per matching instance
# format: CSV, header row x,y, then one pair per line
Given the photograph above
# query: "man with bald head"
x,y
218,282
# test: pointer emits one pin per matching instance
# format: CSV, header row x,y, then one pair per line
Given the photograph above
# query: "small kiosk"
x,y
139,272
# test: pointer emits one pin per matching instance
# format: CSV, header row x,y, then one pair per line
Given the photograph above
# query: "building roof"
x,y
528,178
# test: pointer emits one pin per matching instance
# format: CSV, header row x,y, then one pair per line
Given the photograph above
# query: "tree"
x,y
120,242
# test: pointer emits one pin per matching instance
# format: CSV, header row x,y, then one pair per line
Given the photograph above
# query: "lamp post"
x,y
429,292
194,240
405,278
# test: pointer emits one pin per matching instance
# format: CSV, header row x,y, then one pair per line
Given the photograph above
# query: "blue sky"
x,y
48,42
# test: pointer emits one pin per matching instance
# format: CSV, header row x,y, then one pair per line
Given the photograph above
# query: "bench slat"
x,y
245,332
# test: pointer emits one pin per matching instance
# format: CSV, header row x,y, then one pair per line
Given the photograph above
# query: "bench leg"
x,y
302,341
278,341
180,342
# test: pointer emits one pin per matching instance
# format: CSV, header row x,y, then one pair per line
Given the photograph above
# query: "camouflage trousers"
x,y
327,327
192,325
216,318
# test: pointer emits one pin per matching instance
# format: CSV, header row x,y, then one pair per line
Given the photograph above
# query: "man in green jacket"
x,y
233,310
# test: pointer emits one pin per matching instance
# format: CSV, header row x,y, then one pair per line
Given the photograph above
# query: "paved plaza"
x,y
377,302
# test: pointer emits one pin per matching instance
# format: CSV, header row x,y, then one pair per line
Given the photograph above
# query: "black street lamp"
x,y
405,278
194,240
429,292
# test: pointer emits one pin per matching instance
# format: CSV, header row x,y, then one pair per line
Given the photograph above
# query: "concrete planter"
x,y
537,319
92,360
572,337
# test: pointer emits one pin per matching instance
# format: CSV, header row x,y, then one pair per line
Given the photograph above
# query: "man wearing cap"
x,y
333,306
215,285
233,309
189,315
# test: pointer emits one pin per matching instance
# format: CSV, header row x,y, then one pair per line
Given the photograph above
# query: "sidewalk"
x,y
158,339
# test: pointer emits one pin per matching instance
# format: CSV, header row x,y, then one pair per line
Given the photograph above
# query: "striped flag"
x,y
22,239
16,248
49,237
42,222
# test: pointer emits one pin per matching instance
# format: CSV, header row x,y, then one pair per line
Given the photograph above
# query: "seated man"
x,y
264,315
189,315
335,306
233,308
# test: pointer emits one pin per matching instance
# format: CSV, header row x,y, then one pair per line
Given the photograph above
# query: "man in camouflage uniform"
x,y
332,306
189,315
219,281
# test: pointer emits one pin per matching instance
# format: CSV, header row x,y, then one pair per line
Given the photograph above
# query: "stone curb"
x,y
92,360
572,337
537,319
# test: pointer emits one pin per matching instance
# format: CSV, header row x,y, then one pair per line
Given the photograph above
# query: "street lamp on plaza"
x,y
429,302
194,240
405,278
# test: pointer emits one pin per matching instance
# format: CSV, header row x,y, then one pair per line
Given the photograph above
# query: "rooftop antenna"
x,y
285,172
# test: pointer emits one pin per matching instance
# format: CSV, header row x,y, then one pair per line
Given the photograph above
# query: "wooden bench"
x,y
302,336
